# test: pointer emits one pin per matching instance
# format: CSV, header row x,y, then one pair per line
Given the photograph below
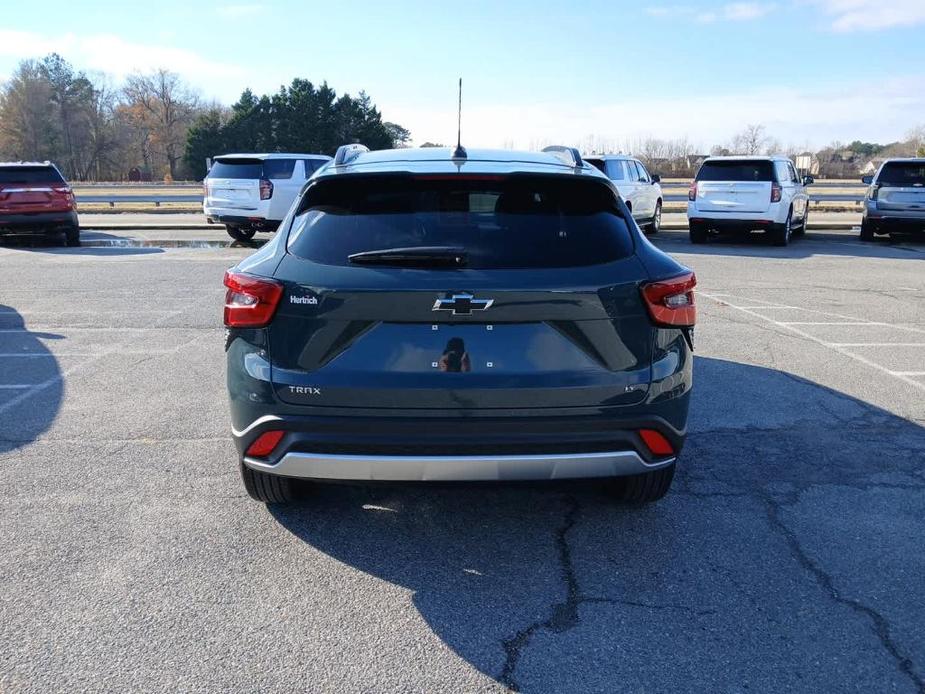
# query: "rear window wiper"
x,y
419,256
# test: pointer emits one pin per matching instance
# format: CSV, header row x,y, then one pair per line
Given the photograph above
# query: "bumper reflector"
x,y
264,444
656,443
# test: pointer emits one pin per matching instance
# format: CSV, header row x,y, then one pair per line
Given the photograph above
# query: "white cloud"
x,y
239,11
118,57
815,116
870,15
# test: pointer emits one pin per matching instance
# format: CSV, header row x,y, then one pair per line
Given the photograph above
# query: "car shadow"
x,y
551,587
31,383
910,247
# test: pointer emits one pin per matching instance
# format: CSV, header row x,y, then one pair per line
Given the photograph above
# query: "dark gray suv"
x,y
425,314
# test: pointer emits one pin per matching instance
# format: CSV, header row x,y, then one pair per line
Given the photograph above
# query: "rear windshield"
x,y
499,222
29,174
902,174
274,169
733,170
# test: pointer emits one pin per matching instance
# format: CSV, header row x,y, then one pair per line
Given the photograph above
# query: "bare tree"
x,y
162,109
752,140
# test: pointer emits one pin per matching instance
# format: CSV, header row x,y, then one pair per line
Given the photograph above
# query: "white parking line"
x,y
31,390
877,344
803,322
905,376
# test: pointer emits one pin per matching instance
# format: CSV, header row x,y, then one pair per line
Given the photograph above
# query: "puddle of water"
x,y
166,243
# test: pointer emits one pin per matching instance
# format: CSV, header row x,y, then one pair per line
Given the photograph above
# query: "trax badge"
x,y
305,390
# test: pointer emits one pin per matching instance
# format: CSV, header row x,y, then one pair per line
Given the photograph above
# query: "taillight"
x,y
266,189
692,192
67,193
267,441
655,442
671,302
775,192
250,302
873,191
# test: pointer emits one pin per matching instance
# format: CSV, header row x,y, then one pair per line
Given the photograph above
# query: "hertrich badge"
x,y
462,304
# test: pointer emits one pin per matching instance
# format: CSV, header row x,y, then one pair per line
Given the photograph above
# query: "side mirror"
x,y
807,180
867,180
656,178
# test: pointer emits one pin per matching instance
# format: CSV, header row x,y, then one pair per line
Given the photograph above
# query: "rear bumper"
x,y
884,222
258,223
458,468
460,449
30,222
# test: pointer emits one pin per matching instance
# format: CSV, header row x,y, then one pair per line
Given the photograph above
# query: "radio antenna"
x,y
460,152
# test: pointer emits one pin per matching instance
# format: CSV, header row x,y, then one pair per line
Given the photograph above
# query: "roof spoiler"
x,y
347,153
567,155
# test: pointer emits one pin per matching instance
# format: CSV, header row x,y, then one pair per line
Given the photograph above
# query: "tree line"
x,y
156,127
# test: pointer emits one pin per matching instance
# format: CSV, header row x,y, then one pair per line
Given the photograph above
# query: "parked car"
x,y
253,192
641,191
428,315
895,200
35,199
745,194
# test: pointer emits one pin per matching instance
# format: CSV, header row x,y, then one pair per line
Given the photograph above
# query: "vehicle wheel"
x,y
782,235
867,231
241,233
72,236
656,223
698,233
270,489
802,230
644,488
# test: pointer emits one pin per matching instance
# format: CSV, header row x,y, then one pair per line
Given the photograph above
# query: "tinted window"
x,y
782,173
312,165
278,169
29,174
516,222
732,170
597,164
236,168
902,174
615,170
643,174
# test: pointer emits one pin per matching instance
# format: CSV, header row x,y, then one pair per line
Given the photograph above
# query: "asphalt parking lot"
x,y
788,556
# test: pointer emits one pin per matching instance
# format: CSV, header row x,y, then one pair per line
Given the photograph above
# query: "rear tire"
x,y
656,223
72,236
867,231
644,488
270,489
697,233
782,235
241,233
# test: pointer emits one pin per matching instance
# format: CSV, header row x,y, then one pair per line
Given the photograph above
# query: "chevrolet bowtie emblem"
x,y
462,304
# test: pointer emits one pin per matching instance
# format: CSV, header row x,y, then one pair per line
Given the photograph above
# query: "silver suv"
x,y
895,200
640,191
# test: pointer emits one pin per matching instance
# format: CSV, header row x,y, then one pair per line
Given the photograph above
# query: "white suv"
x,y
748,193
253,192
640,191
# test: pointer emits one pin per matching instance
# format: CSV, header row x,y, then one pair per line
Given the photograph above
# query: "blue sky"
x,y
589,73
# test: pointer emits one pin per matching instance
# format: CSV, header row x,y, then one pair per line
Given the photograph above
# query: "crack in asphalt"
x,y
880,623
564,614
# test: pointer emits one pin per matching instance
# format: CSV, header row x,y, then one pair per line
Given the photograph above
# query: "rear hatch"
x,y
234,183
734,186
33,189
901,187
510,292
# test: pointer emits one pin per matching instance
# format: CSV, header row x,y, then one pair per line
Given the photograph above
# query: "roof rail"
x,y
567,155
347,153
